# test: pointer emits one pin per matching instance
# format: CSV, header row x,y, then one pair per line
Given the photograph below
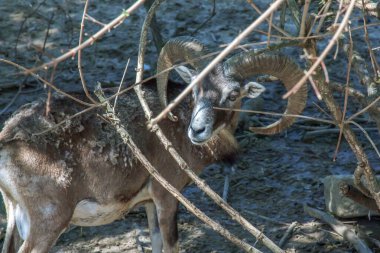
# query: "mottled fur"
x,y
47,175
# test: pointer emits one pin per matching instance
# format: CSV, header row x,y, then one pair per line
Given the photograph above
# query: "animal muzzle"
x,y
202,122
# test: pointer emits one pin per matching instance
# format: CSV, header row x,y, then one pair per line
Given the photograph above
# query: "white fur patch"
x,y
22,222
91,213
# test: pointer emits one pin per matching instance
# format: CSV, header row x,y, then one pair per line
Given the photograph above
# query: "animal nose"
x,y
198,129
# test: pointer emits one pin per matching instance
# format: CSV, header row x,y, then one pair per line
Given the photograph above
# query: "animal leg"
x,y
154,229
45,223
227,171
167,207
12,239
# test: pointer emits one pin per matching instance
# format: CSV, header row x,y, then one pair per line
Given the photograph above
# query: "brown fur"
x,y
86,159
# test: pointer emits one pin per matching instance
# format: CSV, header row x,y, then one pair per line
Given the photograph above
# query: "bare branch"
x,y
304,16
324,53
343,230
368,5
81,75
125,14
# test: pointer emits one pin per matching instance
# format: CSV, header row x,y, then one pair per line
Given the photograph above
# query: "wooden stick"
x,y
370,6
303,20
280,30
288,234
354,194
322,132
181,162
343,230
80,70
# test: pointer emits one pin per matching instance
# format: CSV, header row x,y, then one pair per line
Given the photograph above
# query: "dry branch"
x,y
323,132
323,17
303,31
327,95
343,230
288,234
117,21
351,192
168,146
360,67
370,6
81,75
280,30
44,81
324,53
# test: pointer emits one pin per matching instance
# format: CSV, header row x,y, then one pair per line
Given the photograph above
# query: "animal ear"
x,y
253,89
186,74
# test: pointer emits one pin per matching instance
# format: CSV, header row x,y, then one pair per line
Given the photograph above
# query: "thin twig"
x,y
269,29
367,136
374,63
351,91
295,13
324,53
23,23
341,125
13,99
44,81
278,114
93,20
373,103
316,91
125,14
339,11
213,13
275,221
47,108
323,132
121,83
323,16
280,30
81,75
370,6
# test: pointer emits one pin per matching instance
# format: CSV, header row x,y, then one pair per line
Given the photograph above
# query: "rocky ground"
x,y
275,175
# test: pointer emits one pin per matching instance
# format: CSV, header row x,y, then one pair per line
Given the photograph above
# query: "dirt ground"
x,y
275,175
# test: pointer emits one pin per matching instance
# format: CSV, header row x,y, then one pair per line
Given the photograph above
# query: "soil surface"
x,y
274,176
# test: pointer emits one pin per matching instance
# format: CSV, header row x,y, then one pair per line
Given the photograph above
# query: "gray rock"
x,y
340,205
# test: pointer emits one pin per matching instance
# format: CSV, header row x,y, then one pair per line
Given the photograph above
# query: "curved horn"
x,y
180,49
245,65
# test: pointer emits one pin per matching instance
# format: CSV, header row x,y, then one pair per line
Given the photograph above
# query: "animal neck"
x,y
222,146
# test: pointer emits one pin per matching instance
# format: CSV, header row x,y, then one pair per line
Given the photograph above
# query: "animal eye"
x,y
233,95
